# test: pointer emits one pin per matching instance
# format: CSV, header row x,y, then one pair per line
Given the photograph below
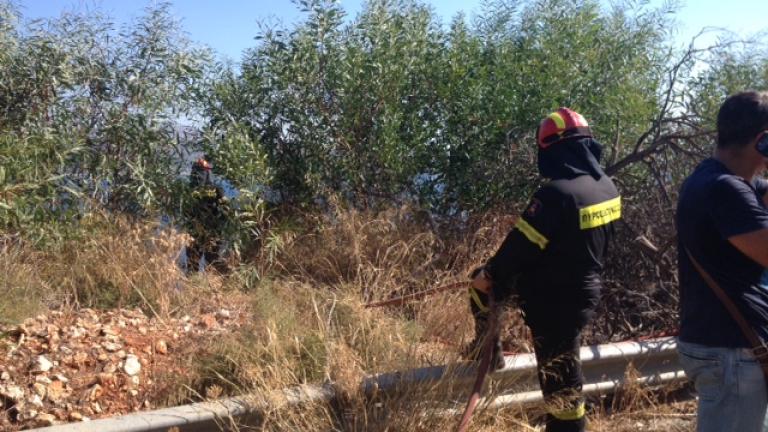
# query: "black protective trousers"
x,y
559,370
557,346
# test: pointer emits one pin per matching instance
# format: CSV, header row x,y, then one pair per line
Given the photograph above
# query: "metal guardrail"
x,y
604,366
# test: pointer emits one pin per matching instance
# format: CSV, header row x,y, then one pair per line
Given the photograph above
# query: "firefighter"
x,y
206,217
551,262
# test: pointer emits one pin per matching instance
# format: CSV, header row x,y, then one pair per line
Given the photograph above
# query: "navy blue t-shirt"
x,y
714,205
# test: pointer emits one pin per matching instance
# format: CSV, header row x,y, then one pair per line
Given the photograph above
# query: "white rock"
x,y
132,365
224,313
5,376
14,393
43,379
111,346
42,364
62,378
36,400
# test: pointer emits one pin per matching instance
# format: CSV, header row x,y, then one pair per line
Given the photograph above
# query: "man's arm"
x,y
761,186
753,244
524,245
515,254
741,215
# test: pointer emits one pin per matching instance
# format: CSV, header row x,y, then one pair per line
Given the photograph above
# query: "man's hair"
x,y
741,117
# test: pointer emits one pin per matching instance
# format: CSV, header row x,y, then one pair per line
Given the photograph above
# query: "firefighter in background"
x,y
551,262
205,218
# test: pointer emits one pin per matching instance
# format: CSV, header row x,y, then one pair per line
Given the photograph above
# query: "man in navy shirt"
x,y
722,222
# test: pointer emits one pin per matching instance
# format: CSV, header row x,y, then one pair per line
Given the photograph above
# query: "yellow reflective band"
x,y
476,298
573,414
531,233
600,214
206,193
558,119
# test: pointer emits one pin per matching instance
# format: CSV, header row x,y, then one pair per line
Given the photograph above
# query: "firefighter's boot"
x,y
566,414
554,424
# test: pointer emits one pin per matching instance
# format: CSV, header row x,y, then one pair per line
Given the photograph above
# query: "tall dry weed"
x,y
119,263
386,253
378,252
24,292
108,262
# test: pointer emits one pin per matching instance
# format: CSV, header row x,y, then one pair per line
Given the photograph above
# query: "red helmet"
x,y
563,123
204,164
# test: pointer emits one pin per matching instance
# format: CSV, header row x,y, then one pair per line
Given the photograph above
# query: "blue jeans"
x,y
731,388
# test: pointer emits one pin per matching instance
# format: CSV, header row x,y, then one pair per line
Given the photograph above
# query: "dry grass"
x,y
23,290
308,325
638,408
110,262
322,336
380,253
318,336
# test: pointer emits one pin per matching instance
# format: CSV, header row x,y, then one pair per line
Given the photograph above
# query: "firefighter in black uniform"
x,y
551,262
205,217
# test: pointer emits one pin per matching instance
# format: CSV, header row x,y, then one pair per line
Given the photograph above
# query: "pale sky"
x,y
229,26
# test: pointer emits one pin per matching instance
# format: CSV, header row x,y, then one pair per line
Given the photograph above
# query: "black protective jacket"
x,y
553,257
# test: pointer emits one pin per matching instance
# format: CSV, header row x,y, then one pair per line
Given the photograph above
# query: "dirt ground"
x,y
80,365
88,364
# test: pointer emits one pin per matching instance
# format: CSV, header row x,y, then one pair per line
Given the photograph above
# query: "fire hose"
x,y
399,301
487,348
482,369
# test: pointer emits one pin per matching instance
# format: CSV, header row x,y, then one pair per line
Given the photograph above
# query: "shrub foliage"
x,y
391,107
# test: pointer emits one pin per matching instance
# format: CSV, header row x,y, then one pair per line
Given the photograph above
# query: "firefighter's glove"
x,y
476,272
480,291
481,280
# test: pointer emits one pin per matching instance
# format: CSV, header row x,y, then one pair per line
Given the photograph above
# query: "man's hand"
x,y
481,280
